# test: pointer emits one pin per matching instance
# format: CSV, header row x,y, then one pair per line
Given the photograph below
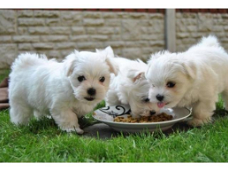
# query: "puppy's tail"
x,y
210,41
27,59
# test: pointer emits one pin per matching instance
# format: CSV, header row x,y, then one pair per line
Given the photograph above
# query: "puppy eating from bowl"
x,y
190,79
130,87
65,90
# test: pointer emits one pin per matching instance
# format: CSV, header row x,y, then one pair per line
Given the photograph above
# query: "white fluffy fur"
x,y
40,86
199,74
130,87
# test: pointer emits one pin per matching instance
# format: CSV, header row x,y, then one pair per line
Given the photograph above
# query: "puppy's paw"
x,y
79,131
195,122
73,129
135,116
145,113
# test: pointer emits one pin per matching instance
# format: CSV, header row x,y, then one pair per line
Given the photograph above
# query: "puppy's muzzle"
x,y
91,92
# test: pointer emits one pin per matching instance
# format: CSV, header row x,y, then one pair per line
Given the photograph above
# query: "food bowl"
x,y
107,114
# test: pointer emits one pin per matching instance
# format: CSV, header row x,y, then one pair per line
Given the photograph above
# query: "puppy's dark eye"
x,y
170,84
81,78
102,79
146,100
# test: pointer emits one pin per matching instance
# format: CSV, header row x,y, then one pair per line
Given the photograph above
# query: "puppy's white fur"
x,y
198,76
130,87
40,86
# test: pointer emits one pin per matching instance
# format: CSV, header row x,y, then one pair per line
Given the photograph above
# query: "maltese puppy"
x,y
130,87
190,79
66,90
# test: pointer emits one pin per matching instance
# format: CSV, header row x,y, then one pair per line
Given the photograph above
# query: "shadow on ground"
x,y
103,131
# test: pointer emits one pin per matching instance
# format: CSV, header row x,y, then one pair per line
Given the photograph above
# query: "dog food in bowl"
x,y
155,118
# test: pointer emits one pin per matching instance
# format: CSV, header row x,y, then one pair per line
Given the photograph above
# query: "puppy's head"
x,y
170,78
89,74
137,94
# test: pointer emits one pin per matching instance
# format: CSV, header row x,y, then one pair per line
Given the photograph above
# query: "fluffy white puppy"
x,y
192,78
67,90
130,87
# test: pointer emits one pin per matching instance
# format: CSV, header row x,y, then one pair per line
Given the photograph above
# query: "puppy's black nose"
x,y
91,91
160,97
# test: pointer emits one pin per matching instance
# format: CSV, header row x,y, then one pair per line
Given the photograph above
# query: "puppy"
x,y
66,90
130,87
192,78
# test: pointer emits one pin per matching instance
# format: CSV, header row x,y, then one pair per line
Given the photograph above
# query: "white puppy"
x,y
66,90
192,78
130,87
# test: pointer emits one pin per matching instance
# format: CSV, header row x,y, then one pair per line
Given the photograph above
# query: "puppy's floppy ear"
x,y
189,69
113,67
107,51
109,54
69,63
135,75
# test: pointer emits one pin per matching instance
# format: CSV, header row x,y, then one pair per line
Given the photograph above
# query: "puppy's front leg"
x,y
202,112
67,120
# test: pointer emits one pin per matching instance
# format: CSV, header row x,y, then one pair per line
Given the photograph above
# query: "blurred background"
x,y
132,33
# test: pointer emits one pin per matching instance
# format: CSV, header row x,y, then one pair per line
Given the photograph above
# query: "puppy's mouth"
x,y
89,98
161,104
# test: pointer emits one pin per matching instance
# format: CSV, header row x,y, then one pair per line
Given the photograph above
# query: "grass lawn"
x,y
42,141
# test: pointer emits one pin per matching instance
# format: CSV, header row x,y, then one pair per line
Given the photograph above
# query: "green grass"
x,y
42,141
3,74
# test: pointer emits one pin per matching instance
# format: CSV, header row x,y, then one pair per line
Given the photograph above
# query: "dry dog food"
x,y
143,119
